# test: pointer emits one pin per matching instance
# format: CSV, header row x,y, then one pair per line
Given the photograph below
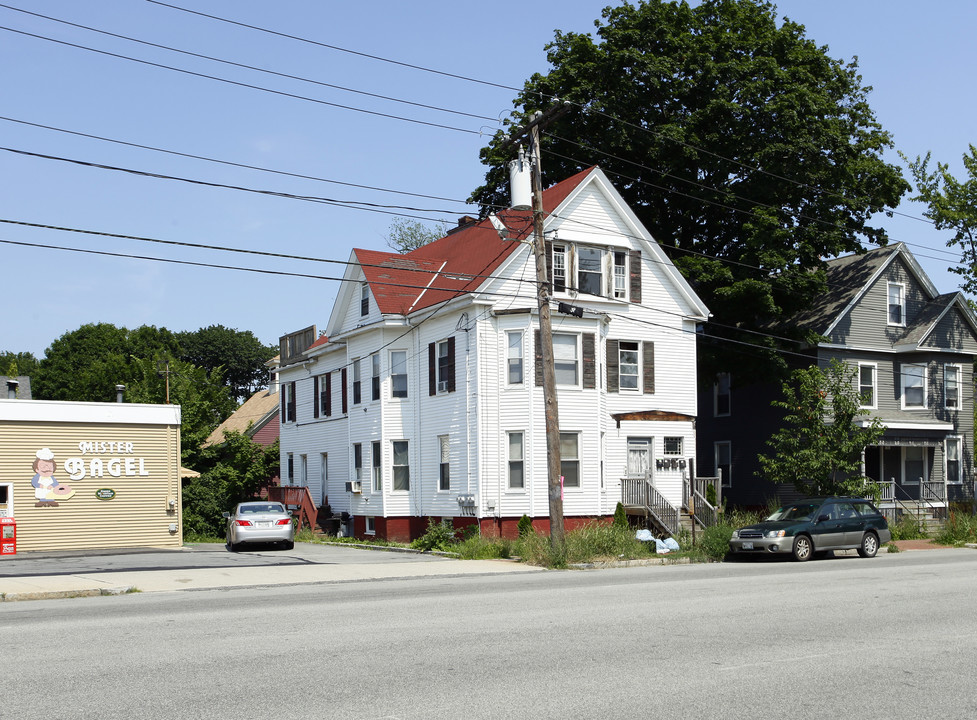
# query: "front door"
x,y
639,456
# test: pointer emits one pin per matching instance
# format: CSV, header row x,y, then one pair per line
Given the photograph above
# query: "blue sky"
x,y
919,61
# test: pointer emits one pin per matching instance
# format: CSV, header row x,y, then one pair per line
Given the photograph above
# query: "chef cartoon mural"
x,y
47,490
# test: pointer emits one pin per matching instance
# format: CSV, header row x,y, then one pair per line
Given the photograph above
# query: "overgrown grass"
x,y
958,529
908,528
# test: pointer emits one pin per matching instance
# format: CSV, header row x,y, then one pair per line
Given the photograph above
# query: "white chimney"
x,y
520,183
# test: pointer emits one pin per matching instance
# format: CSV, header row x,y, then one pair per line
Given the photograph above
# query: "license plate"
x,y
747,546
263,523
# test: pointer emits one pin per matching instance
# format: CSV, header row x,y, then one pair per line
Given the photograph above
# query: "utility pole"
x,y
550,407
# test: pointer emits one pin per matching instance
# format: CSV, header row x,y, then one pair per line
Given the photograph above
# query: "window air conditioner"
x,y
355,486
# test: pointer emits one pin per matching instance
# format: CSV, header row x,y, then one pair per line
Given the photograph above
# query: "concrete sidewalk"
x,y
117,583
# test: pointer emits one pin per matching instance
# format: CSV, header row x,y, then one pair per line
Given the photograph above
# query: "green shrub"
x,y
620,517
477,547
958,529
907,527
439,536
711,494
525,526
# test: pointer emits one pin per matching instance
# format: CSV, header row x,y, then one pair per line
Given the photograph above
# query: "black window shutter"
x,y
539,359
613,366
284,410
345,392
589,361
315,396
451,364
291,401
432,369
648,371
548,248
328,400
634,270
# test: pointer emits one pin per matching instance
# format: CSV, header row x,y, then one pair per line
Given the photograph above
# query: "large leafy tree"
x,y
86,364
19,363
749,153
238,352
229,473
405,234
952,206
819,447
203,396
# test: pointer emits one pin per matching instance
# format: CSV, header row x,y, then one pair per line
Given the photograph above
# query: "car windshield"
x,y
262,508
798,511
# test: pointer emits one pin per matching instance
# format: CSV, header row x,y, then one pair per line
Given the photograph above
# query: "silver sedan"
x,y
259,522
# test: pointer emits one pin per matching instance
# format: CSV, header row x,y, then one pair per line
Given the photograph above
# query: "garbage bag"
x,y
644,535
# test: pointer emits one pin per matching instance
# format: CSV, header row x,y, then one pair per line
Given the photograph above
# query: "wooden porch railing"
x,y
695,496
297,496
640,493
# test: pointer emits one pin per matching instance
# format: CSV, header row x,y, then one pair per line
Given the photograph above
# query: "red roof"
x,y
454,265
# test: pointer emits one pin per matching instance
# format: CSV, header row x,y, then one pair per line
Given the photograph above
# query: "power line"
x,y
583,107
243,84
235,164
356,204
335,47
252,67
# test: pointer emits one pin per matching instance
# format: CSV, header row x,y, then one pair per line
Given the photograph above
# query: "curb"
x,y
62,594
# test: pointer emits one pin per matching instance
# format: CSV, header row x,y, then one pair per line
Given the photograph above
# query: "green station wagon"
x,y
815,526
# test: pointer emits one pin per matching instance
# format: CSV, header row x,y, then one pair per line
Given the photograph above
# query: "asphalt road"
x,y
891,637
195,556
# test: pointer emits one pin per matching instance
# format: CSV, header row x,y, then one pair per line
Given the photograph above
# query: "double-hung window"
x,y
364,300
953,453
620,275
517,465
401,465
375,378
628,365
398,373
721,395
445,362
444,468
559,268
897,304
590,270
913,386
570,459
951,386
357,396
375,467
565,359
867,373
514,357
357,461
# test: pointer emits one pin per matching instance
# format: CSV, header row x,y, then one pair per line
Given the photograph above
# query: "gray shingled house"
x,y
913,352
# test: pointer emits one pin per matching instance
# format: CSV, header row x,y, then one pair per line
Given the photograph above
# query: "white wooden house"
x,y
423,397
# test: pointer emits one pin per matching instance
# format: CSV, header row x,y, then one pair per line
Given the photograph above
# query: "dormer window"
x,y
594,270
897,304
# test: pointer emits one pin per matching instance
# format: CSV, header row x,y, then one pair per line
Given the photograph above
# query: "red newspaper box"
x,y
8,536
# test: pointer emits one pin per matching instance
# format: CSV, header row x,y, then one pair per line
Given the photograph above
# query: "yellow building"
x,y
80,475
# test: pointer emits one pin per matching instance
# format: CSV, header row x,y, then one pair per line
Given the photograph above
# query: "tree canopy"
x,y
748,152
952,206
405,234
238,353
819,448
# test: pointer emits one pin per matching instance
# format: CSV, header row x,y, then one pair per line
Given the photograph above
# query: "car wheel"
x,y
869,546
288,544
803,548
